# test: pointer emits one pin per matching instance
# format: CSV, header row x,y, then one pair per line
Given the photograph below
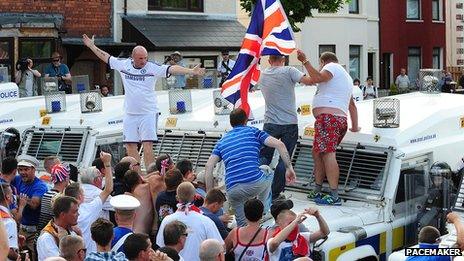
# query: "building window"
x,y
6,56
459,5
326,48
459,28
460,62
460,51
413,9
355,61
414,62
436,58
38,49
460,39
176,5
436,10
354,7
459,17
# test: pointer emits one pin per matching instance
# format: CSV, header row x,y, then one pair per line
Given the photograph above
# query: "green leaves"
x,y
298,10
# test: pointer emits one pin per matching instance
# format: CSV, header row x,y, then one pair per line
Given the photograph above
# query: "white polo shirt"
x,y
10,226
88,213
139,84
199,228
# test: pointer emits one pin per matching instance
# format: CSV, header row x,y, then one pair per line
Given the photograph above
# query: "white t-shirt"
x,y
357,94
337,92
46,246
88,213
139,84
370,92
199,228
284,251
11,228
90,193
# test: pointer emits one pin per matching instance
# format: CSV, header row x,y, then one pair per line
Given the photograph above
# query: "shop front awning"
x,y
183,32
18,20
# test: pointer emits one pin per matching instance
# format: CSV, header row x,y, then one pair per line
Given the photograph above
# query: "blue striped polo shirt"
x,y
240,149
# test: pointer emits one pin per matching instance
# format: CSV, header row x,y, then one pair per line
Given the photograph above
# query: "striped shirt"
x,y
46,211
240,149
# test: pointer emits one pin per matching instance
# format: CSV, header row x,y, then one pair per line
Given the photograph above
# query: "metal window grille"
x,y
80,84
64,143
55,101
180,101
91,101
362,170
429,80
192,146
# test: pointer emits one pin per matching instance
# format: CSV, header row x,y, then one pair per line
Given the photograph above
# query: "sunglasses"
x,y
56,60
185,234
82,249
136,164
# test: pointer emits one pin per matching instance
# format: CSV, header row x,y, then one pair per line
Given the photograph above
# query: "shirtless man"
x,y
145,190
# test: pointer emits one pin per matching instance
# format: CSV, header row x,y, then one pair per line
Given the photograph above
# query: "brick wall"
x,y
80,16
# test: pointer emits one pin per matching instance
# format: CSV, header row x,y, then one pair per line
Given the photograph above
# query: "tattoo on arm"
x,y
286,158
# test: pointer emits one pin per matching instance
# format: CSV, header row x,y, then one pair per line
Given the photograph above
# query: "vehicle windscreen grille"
x,y
66,144
360,169
195,147
460,199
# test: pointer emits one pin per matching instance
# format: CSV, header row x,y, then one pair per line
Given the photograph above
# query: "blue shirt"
x,y
240,149
35,189
119,232
53,71
428,258
215,218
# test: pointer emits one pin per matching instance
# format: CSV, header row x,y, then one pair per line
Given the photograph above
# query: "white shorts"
x,y
140,128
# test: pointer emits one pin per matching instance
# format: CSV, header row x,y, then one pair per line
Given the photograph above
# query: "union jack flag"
x,y
269,33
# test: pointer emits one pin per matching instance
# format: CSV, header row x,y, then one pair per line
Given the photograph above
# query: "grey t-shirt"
x,y
278,88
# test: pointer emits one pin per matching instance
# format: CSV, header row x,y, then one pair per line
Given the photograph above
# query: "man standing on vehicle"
x,y
140,104
280,118
331,104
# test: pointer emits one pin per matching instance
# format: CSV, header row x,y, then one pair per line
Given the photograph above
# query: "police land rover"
x,y
384,169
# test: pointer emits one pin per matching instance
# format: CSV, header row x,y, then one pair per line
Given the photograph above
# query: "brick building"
x,y
412,36
35,29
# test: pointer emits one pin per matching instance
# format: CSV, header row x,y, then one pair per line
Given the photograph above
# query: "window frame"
x,y
327,46
359,55
419,13
437,52
413,77
439,13
355,11
37,60
157,5
10,61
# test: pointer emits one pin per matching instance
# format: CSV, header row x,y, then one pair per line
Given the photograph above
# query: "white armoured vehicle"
x,y
384,172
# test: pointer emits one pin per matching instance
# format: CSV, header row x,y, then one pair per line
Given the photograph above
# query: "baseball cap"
x,y
124,202
280,205
60,172
177,52
27,161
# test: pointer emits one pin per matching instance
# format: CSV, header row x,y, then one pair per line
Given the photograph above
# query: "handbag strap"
x,y
249,243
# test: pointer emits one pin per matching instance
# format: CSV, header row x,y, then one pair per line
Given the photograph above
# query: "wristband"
x,y
107,165
305,61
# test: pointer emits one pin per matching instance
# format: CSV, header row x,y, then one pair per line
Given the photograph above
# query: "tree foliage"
x,y
298,10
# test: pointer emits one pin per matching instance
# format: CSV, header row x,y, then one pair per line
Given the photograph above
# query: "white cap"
x,y
124,202
177,52
27,161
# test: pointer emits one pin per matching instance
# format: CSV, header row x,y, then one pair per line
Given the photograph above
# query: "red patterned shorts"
x,y
329,132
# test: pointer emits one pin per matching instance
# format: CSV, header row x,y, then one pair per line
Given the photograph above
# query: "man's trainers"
x,y
313,195
328,200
